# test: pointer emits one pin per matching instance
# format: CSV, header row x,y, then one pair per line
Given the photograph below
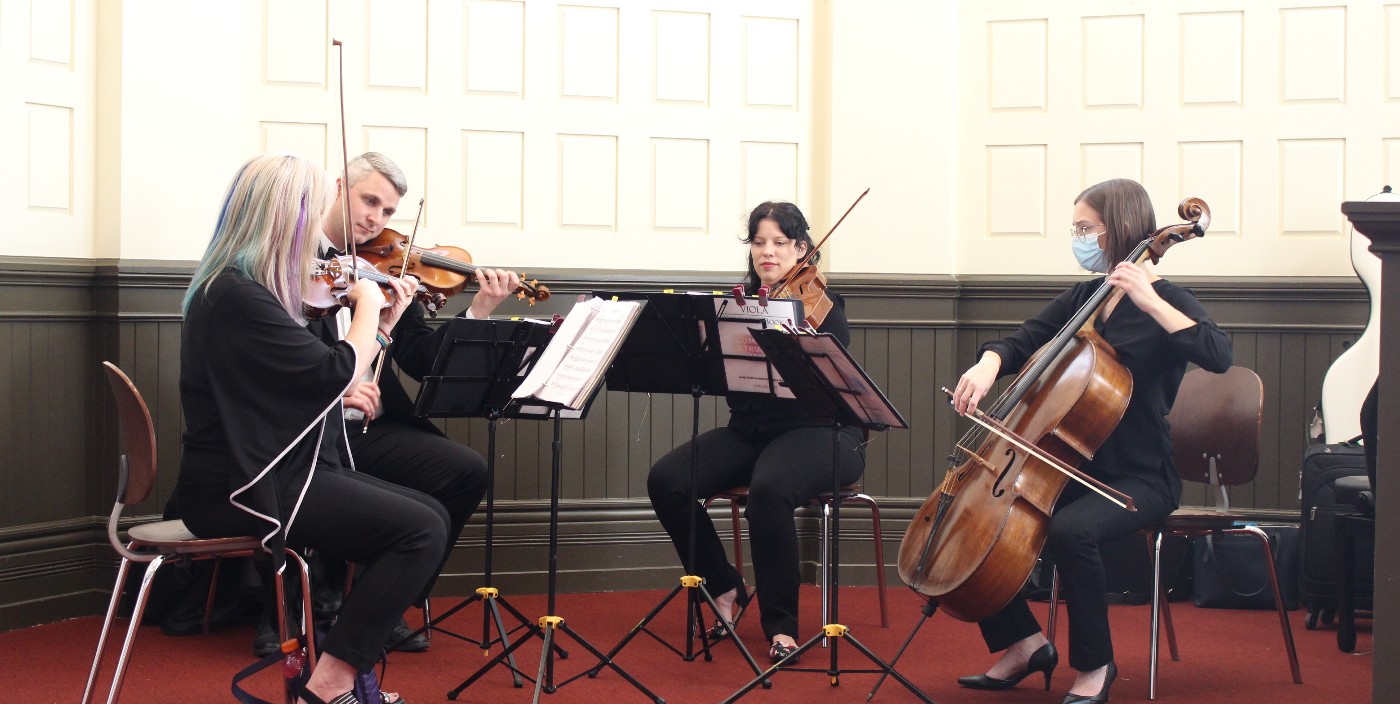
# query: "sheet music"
x,y
578,357
841,373
746,368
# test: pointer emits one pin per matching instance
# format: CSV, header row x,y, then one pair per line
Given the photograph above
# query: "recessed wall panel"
x,y
295,41
1016,185
1101,162
681,178
495,47
1390,148
408,147
306,139
1391,41
398,44
1212,58
588,181
50,148
1312,54
588,52
493,171
682,46
1312,181
51,31
1112,56
1213,172
1017,64
770,172
770,61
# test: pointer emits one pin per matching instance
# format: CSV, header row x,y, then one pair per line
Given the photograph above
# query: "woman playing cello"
x,y
1156,328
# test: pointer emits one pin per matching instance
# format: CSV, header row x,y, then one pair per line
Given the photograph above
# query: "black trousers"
x,y
397,534
1082,521
783,473
412,457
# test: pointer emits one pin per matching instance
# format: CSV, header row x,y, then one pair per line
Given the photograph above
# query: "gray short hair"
x,y
362,165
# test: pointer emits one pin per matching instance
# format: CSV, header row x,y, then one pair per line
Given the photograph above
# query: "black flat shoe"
x,y
400,640
1043,660
777,652
1102,696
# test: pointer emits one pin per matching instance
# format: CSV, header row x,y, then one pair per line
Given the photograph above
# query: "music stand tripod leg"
x,y
834,631
694,585
929,607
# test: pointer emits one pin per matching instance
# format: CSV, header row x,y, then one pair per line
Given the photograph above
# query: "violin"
x,y
443,270
805,281
973,543
332,278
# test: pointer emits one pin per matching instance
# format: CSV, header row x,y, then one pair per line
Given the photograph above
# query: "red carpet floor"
x,y
1227,656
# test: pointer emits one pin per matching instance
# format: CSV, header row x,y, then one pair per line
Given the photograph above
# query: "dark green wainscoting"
x,y
58,444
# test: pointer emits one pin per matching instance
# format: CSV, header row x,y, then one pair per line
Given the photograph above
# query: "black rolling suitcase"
x,y
1323,465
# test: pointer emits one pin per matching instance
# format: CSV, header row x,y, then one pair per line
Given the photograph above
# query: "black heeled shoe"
x,y
1099,698
1044,659
721,630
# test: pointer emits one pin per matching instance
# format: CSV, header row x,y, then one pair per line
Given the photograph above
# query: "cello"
x,y
973,542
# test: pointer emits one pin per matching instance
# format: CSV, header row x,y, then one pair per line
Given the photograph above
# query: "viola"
x,y
973,543
443,270
805,281
332,278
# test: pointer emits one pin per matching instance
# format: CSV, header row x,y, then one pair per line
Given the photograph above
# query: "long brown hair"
x,y
1127,215
793,225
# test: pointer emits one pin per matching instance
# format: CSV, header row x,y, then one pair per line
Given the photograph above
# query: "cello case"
x,y
1352,373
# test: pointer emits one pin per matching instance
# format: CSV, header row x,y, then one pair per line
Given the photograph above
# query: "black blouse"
x,y
261,397
1141,444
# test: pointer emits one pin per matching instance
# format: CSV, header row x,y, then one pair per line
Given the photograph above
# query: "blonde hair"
x,y
268,228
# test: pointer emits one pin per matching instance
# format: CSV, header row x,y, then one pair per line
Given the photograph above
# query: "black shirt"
x,y
1141,444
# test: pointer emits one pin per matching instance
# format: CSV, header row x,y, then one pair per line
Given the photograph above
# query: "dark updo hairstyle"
x,y
788,219
1127,215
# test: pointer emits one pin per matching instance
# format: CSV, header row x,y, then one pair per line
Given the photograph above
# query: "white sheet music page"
x,y
578,356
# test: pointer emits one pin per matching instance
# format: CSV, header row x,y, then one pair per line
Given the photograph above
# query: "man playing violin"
x,y
396,445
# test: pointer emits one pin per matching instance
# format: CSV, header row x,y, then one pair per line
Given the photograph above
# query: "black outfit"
x,y
784,457
404,449
265,454
1136,459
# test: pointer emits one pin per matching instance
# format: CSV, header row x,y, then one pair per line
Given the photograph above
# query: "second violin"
x,y
445,270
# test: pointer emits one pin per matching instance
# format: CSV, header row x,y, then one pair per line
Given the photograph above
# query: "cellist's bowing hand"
x,y
363,397
1136,282
496,286
975,383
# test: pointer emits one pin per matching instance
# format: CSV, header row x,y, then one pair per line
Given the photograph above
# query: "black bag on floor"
x,y
1229,571
1322,466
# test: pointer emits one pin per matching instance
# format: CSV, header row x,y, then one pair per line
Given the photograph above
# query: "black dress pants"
x,y
398,535
783,473
412,457
1082,521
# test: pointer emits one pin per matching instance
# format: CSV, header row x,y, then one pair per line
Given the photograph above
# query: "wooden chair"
x,y
1215,441
157,542
851,492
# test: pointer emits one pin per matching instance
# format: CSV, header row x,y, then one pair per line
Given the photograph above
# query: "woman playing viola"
x,y
264,446
770,445
1156,328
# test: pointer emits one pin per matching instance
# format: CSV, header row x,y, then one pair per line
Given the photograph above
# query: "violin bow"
x,y
1117,497
803,262
346,227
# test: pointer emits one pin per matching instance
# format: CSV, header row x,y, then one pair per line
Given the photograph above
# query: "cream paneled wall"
x,y
46,114
1272,112
547,134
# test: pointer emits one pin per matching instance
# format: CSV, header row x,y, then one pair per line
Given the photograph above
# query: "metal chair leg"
x,y
1278,601
1053,616
1156,614
106,628
136,614
879,555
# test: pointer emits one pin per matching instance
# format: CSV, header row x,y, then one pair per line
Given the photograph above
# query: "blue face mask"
x,y
1089,254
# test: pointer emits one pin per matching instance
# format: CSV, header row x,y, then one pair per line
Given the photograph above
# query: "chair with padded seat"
x,y
851,492
156,543
1215,440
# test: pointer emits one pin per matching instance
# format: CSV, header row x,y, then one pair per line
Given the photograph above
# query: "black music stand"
x,y
532,408
832,387
676,348
478,365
